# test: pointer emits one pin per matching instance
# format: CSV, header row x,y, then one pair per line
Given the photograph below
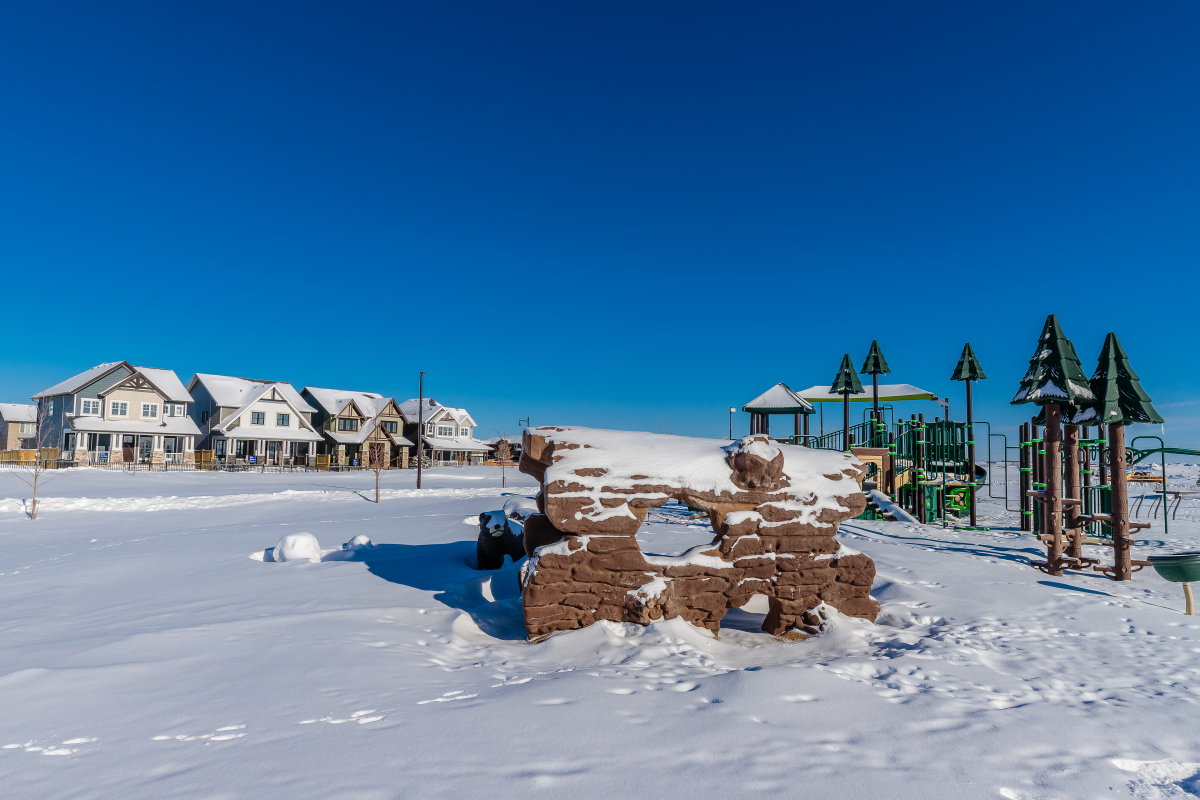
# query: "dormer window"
x,y
90,408
445,431
429,429
464,432
347,424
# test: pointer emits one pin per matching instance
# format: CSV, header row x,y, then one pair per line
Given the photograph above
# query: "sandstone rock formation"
x,y
774,509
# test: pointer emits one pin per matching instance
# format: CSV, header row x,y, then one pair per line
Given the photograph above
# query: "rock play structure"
x,y
774,509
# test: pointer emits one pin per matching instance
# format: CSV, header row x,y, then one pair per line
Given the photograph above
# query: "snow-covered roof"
x,y
167,382
432,409
82,379
168,426
18,412
334,401
227,390
252,396
779,399
470,445
887,391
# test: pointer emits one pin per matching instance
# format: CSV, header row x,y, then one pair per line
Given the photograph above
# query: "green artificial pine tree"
x,y
968,368
1055,374
1119,394
846,381
875,364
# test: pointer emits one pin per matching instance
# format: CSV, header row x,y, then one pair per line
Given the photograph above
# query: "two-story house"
x,y
119,413
359,427
448,432
252,421
18,426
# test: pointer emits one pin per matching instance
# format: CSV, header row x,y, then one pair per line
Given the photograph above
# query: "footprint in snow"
x,y
53,750
219,735
358,716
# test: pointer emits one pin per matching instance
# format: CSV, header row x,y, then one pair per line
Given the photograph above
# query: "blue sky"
x,y
601,214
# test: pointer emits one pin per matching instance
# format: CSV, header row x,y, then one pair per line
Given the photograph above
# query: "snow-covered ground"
x,y
150,650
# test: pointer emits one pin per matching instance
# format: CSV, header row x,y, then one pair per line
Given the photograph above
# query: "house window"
x,y
116,409
282,420
28,427
149,410
90,408
429,429
389,426
445,431
178,410
203,417
347,424
258,418
219,447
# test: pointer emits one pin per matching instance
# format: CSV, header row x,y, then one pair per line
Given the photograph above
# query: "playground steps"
x,y
883,505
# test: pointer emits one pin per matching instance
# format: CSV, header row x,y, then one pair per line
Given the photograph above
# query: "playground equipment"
x,y
1112,397
779,399
969,370
1180,568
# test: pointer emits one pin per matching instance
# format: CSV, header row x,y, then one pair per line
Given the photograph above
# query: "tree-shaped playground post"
x,y
969,370
1119,401
875,365
1054,379
846,383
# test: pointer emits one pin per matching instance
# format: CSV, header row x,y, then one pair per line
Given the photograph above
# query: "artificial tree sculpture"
x,y
875,365
968,369
1054,379
1119,401
846,383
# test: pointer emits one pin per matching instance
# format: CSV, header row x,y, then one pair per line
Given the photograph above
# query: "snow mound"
x,y
297,547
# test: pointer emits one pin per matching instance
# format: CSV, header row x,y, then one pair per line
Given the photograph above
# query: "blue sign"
x,y
252,459
355,462
103,457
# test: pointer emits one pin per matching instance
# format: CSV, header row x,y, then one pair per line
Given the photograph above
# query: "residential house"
x,y
119,413
253,421
358,426
18,426
447,431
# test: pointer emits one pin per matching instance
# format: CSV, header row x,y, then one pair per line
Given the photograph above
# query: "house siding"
x,y
104,382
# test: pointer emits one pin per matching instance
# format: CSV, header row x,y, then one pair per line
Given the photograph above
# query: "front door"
x,y
145,445
272,452
127,448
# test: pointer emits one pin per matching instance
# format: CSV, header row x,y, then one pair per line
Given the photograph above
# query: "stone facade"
x,y
774,510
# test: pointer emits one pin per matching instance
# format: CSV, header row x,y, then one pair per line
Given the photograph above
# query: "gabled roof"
x,y
434,411
779,399
18,412
253,395
164,380
469,445
334,401
229,391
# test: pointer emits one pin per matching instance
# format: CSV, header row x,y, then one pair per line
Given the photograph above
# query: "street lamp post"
x,y
731,410
420,427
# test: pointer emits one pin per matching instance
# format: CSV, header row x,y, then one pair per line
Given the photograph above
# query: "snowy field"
x,y
150,651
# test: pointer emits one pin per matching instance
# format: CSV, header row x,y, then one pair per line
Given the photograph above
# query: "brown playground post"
x,y
1072,493
1123,565
1052,495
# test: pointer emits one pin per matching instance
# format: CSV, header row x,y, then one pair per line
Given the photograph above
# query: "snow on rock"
x,y
774,508
297,547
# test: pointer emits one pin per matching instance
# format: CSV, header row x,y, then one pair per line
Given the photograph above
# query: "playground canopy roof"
x,y
887,391
779,399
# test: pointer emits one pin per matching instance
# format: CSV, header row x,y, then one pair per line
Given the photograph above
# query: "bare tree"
x,y
35,471
377,462
665,425
503,455
460,456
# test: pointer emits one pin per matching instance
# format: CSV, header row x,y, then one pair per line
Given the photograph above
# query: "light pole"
x,y
420,427
523,422
731,410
